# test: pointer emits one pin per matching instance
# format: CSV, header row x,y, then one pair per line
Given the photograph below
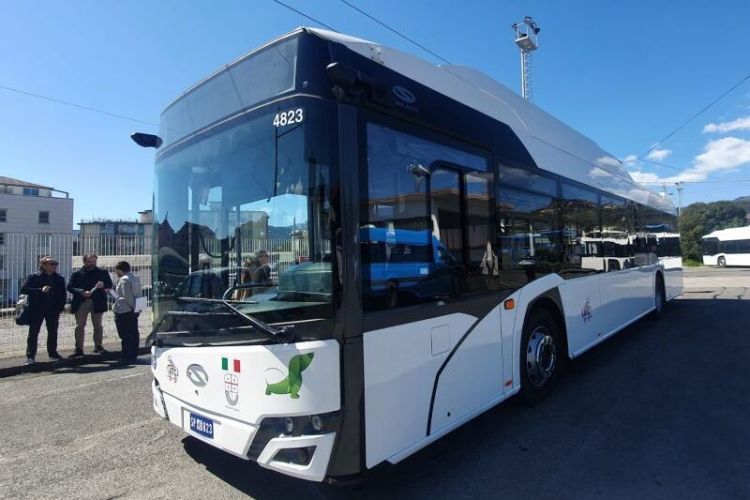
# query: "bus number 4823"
x,y
284,118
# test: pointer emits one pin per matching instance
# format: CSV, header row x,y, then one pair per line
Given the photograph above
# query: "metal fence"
x,y
19,257
282,253
20,254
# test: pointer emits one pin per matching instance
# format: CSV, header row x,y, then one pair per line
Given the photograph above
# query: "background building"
x,y
117,237
116,240
35,221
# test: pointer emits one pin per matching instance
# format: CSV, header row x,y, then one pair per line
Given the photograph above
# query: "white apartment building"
x,y
35,221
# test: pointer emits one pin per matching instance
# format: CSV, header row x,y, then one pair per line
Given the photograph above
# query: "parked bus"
x,y
371,158
407,266
727,247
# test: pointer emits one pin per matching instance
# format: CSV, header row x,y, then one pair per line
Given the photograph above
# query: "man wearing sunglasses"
x,y
46,292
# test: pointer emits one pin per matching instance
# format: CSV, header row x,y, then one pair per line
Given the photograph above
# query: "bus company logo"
x,y
231,380
172,372
232,388
586,311
404,94
197,375
293,382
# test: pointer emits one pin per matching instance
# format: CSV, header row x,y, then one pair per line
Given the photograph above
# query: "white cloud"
x,y
724,127
630,159
658,154
608,161
722,154
719,155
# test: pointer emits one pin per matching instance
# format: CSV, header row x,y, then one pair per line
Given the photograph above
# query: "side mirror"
x,y
146,140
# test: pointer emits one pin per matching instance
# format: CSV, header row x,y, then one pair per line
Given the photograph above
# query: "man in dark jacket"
x,y
46,291
89,286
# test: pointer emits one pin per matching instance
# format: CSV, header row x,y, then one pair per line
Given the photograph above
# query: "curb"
x,y
50,366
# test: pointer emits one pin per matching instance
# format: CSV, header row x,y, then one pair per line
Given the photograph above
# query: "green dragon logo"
x,y
291,384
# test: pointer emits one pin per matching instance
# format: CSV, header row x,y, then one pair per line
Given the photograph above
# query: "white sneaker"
x,y
29,361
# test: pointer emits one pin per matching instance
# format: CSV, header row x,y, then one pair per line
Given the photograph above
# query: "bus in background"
x,y
407,266
450,245
727,247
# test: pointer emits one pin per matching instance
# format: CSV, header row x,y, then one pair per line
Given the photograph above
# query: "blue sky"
x,y
623,73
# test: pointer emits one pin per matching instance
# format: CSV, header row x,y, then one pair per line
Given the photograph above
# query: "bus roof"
x,y
554,146
733,233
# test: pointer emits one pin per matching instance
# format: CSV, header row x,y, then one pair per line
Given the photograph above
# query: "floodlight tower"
x,y
679,187
526,32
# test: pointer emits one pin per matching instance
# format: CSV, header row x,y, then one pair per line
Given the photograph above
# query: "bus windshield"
x,y
244,214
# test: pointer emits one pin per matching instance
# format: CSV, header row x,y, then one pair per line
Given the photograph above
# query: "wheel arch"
x,y
551,301
659,277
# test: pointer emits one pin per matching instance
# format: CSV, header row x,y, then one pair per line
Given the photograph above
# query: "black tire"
x,y
391,295
541,355
660,298
456,285
722,262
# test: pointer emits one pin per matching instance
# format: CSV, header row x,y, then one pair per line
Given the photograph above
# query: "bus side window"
x,y
413,201
529,238
582,235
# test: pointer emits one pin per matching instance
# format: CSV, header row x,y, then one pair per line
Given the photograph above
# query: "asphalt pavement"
x,y
659,411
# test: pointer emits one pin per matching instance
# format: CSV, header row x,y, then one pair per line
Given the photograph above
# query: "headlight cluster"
x,y
273,427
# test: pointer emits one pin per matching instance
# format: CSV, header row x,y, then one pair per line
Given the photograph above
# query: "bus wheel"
x,y
660,298
391,294
456,285
540,351
722,262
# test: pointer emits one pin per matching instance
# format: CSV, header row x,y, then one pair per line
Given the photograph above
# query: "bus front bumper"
x,y
302,456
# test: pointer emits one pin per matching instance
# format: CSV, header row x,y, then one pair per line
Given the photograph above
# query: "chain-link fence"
x,y
19,257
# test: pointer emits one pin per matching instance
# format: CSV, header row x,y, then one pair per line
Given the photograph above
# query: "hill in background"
x,y
744,202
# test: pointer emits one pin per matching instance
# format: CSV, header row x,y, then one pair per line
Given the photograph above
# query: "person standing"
x,y
46,292
89,286
126,319
262,274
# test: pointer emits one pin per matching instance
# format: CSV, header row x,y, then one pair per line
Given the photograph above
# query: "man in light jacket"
x,y
126,320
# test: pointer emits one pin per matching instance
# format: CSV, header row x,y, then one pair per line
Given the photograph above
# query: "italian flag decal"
x,y
235,365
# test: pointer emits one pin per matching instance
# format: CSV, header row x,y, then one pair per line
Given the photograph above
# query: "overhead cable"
x,y
79,106
395,31
305,15
694,116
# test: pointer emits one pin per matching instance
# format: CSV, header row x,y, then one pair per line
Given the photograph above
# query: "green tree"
x,y
699,219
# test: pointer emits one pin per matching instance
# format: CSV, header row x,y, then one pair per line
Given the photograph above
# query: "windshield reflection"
x,y
244,215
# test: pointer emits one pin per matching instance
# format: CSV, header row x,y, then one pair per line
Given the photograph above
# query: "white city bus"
x,y
727,247
437,245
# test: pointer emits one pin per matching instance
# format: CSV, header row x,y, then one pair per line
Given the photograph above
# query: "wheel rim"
x,y
541,356
722,262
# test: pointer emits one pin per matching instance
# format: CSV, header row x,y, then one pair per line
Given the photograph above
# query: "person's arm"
x,y
28,287
107,280
62,296
127,293
73,286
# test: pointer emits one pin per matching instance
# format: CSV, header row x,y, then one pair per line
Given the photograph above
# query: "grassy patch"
x,y
691,263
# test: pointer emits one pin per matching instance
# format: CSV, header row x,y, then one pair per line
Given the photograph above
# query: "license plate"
x,y
202,425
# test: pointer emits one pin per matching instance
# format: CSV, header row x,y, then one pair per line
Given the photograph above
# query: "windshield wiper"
x,y
256,323
218,301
